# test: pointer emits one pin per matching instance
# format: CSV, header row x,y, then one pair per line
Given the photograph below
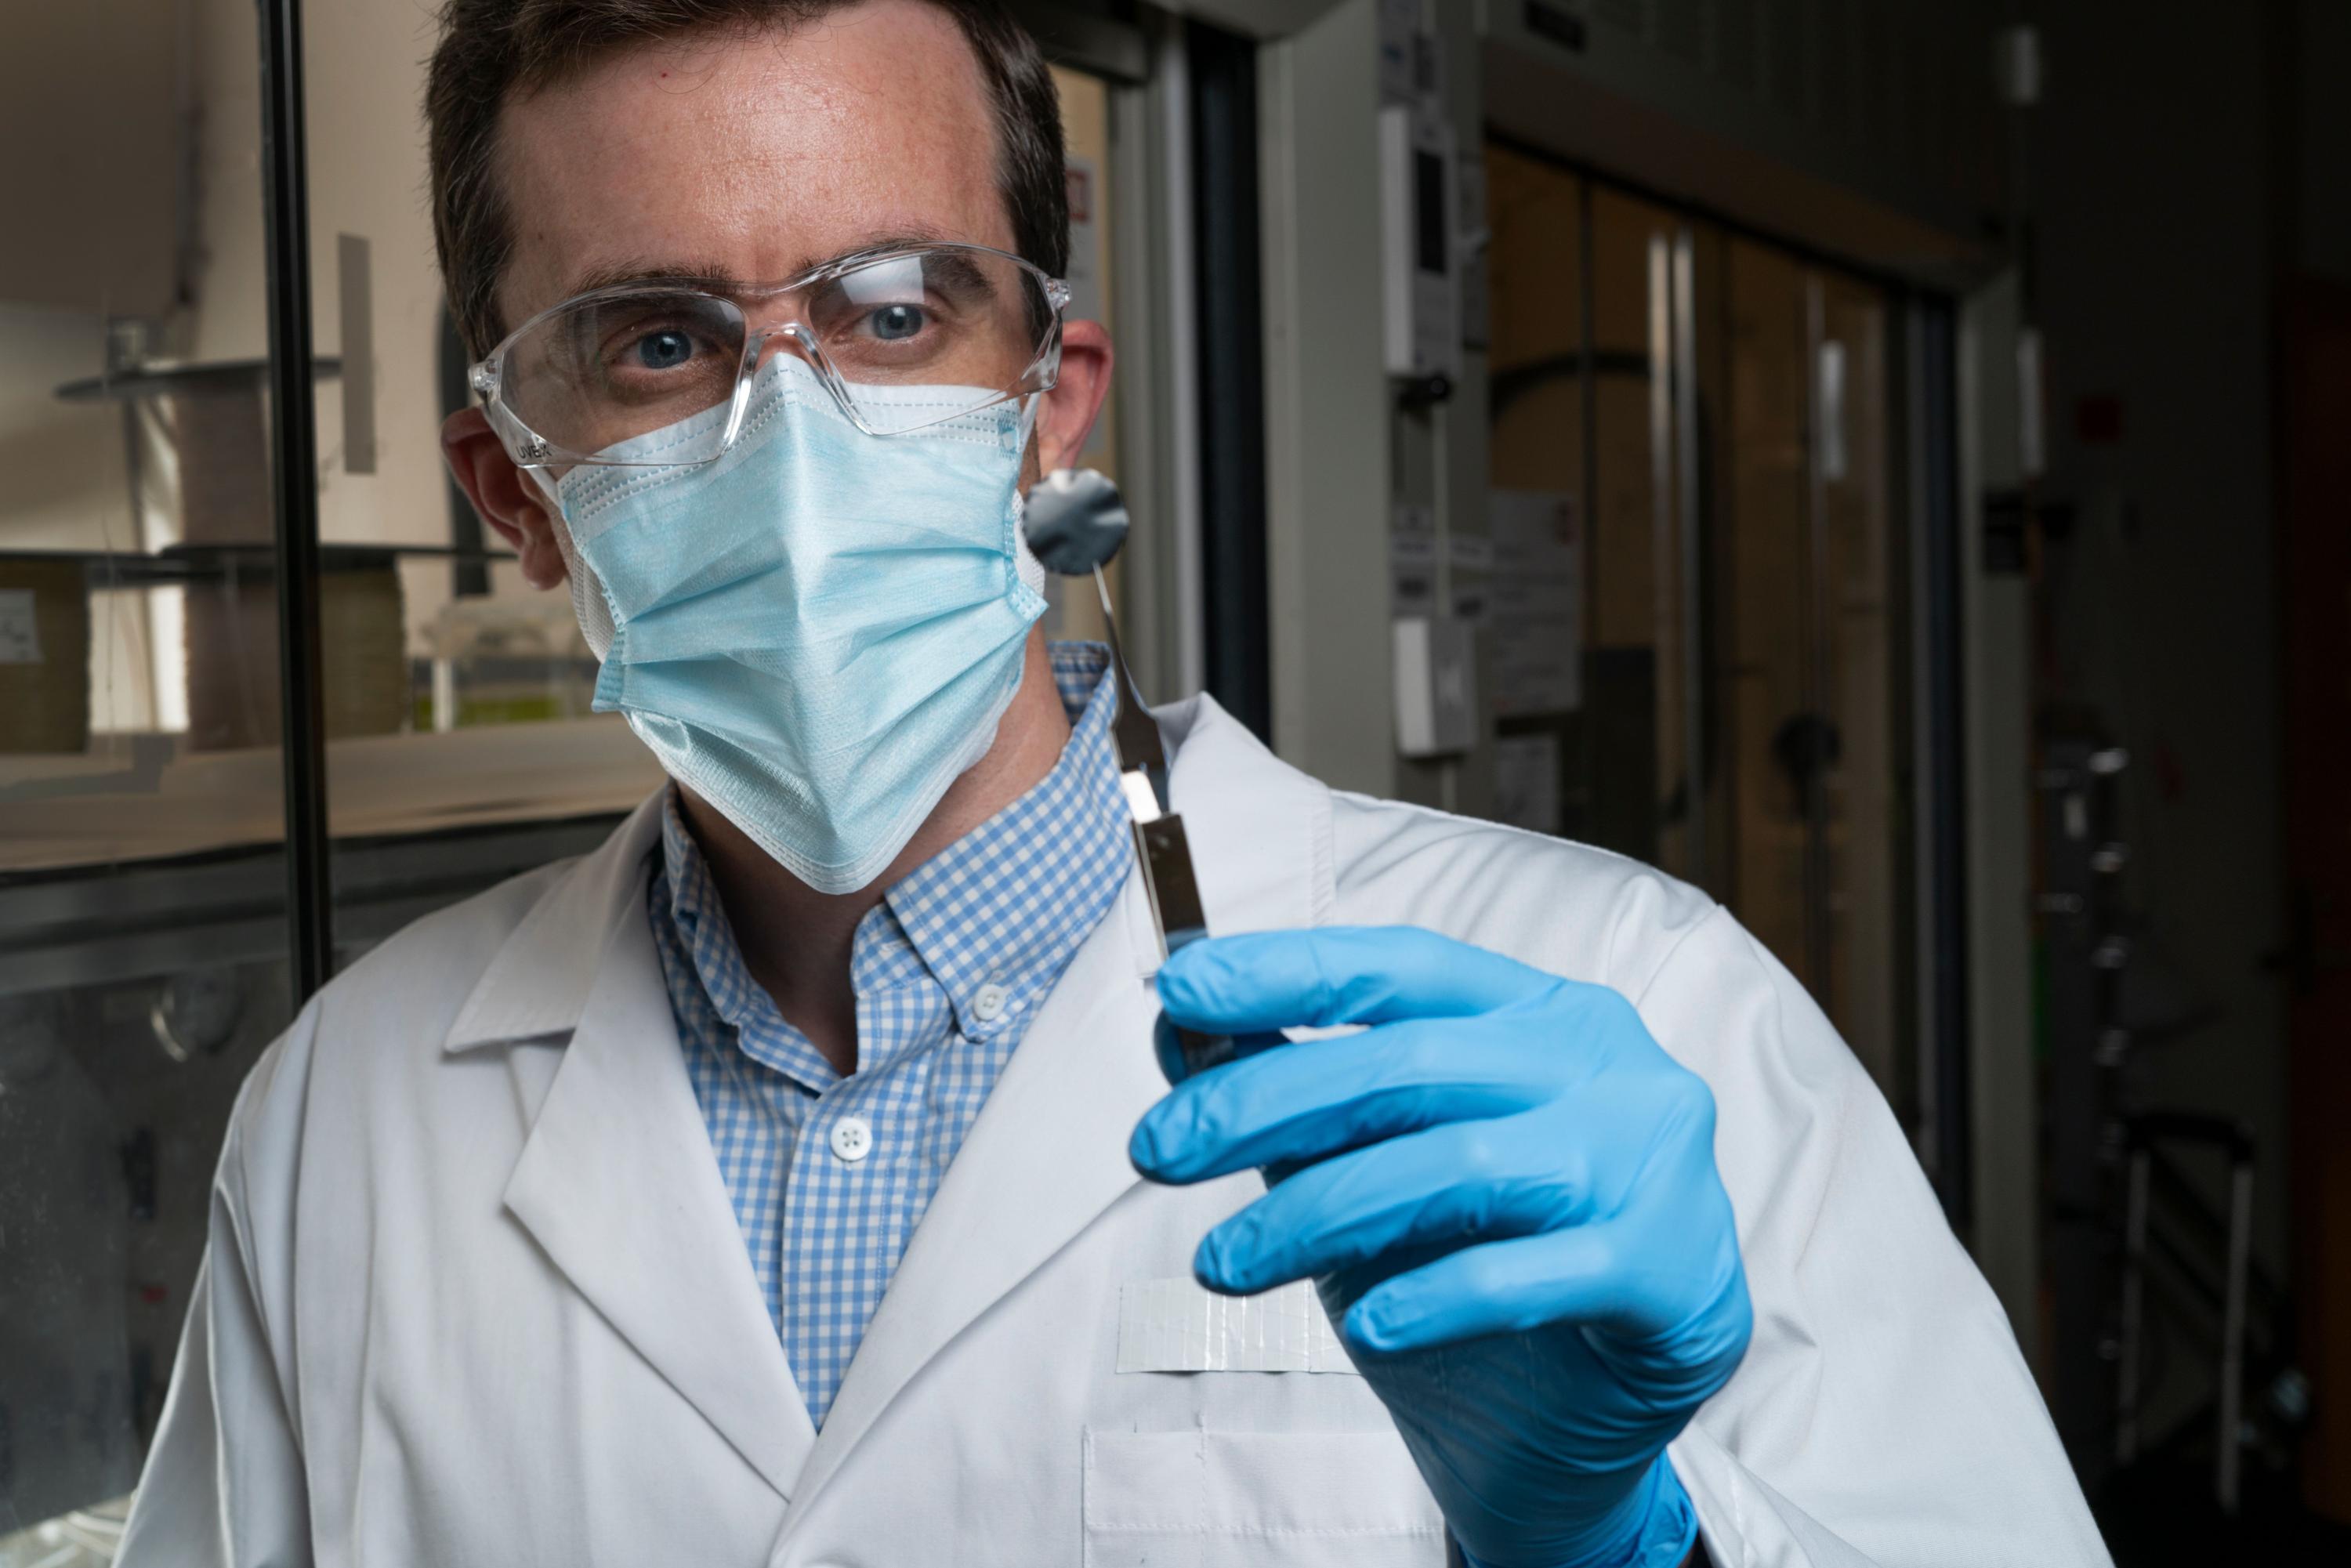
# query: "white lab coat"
x,y
476,1293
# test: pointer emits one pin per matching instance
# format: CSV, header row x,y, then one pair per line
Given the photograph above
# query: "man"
x,y
792,1180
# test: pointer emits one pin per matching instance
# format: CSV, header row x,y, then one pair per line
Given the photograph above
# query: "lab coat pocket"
x,y
1198,1499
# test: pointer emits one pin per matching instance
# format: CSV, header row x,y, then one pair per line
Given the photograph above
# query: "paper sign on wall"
x,y
20,633
1469,564
1536,623
1412,561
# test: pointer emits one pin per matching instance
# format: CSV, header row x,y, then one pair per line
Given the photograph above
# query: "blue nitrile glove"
x,y
1506,1193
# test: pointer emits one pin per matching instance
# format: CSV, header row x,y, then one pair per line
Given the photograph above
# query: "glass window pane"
x,y
1862,855
1807,622
1770,733
458,697
142,937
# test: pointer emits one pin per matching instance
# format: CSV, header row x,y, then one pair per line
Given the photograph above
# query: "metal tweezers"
x,y
1160,847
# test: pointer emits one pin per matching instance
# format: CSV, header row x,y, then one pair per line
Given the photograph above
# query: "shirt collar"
x,y
1004,906
1009,903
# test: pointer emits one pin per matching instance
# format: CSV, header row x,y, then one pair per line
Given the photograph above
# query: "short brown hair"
x,y
490,50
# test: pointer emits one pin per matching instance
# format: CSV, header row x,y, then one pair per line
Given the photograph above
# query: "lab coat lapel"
x,y
1047,1153
617,1183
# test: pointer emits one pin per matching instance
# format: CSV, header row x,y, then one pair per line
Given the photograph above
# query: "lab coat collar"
x,y
1047,1153
537,983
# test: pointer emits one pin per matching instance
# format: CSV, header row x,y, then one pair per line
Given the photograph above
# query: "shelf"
x,y
163,380
169,861
89,815
258,561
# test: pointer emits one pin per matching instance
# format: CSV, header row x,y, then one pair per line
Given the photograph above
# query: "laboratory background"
x,y
1886,462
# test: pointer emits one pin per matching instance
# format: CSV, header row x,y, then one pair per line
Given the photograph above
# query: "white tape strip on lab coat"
x,y
1176,1325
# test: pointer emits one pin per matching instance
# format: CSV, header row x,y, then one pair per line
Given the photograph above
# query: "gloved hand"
x,y
1506,1194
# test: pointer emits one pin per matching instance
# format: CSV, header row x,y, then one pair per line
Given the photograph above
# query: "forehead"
x,y
750,154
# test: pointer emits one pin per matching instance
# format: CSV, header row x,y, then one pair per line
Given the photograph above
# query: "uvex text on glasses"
x,y
975,326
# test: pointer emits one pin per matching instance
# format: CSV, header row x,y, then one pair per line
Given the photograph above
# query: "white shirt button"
x,y
987,1003
853,1139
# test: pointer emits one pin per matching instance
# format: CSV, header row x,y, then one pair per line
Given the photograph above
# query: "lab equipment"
x,y
819,631
1075,522
1506,1196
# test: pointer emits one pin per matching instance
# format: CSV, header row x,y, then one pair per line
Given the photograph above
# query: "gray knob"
x,y
1074,520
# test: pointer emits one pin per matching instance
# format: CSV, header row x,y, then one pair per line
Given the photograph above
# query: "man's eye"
x,y
664,351
893,322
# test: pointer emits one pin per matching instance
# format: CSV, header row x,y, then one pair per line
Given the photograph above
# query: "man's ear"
x,y
1070,408
506,499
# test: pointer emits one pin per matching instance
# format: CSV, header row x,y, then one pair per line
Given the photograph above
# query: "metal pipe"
x,y
2232,1335
1667,649
294,485
1692,640
2133,1311
1818,599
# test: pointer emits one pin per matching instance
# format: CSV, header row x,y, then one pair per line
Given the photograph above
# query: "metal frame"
x,y
294,483
1231,389
1929,340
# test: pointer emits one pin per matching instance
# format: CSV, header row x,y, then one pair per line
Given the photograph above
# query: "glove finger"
x,y
1598,1276
1312,1099
1338,974
1443,1189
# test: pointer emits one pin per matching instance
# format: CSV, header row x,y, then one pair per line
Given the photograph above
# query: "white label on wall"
x,y
1467,552
1412,561
20,633
1470,560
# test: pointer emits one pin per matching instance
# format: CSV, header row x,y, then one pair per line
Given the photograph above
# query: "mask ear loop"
x,y
1025,563
589,605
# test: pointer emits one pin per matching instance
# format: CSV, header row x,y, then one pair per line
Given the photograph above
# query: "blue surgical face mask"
x,y
817,632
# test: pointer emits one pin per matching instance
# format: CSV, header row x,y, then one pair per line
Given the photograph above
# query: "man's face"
x,y
750,157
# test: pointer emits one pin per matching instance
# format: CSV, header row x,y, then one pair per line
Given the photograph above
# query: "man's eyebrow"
x,y
613,275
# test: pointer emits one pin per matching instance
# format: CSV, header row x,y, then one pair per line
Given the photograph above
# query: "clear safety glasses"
x,y
973,326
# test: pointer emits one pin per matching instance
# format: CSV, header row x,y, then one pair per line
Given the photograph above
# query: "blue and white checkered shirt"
x,y
948,969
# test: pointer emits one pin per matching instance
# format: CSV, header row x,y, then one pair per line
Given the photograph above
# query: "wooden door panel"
x,y
2314,576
